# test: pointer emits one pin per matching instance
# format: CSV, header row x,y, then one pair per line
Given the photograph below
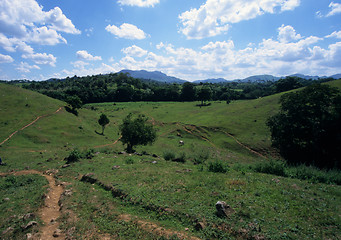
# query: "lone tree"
x,y
307,129
204,94
136,132
103,121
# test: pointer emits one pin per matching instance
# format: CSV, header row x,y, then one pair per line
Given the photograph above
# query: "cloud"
x,y
59,22
134,51
25,21
215,16
84,55
80,64
13,44
335,9
127,31
26,68
139,3
5,58
82,71
287,34
335,34
41,58
287,53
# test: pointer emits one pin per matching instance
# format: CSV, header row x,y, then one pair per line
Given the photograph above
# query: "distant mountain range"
x,y
161,77
156,76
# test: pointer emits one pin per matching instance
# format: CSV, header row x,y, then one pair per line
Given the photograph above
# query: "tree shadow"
x,y
71,110
99,133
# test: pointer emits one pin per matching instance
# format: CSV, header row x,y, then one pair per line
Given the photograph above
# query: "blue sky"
x,y
188,39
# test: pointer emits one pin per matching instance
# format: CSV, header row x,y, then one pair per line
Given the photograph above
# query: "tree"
x,y
136,132
188,92
204,94
103,121
75,102
287,84
307,129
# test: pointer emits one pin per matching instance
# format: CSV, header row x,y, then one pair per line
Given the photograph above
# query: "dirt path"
x,y
50,211
110,144
34,121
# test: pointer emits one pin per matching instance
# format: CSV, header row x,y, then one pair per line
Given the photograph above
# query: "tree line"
x,y
120,87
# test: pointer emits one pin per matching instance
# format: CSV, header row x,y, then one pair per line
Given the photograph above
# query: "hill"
x,y
108,193
156,76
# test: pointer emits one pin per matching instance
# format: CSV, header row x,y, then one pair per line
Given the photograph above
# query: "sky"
x,y
188,39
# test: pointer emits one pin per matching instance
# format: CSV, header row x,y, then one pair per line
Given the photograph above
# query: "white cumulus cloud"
x,y
335,34
41,58
335,9
215,16
139,3
287,34
134,51
127,31
27,22
5,58
26,68
84,55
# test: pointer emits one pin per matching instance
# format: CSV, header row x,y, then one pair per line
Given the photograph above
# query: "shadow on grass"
x,y
71,110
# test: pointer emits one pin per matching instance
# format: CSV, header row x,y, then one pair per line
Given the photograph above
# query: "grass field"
x,y
145,196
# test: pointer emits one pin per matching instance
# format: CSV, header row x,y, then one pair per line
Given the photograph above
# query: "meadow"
x,y
115,195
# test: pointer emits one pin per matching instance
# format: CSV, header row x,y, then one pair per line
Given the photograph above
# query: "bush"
x,y
218,166
181,158
274,167
74,156
201,157
315,175
168,156
89,154
129,161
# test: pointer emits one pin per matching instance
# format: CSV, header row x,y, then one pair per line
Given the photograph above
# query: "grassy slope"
x,y
19,107
282,208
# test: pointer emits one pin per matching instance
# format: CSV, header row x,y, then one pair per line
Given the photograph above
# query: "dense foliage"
x,y
103,121
307,129
136,132
120,87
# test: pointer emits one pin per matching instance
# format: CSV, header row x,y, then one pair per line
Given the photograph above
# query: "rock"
x,y
8,230
154,162
223,210
6,199
67,192
57,233
29,236
200,226
28,216
66,165
29,225
122,152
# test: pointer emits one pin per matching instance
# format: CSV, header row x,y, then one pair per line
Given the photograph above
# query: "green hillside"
x,y
131,196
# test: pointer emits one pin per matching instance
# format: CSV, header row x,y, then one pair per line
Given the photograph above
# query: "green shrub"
x,y
169,156
181,158
129,161
274,167
201,157
314,174
74,156
89,154
218,166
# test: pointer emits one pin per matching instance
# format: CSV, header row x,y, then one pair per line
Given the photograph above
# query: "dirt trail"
x,y
50,211
34,121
